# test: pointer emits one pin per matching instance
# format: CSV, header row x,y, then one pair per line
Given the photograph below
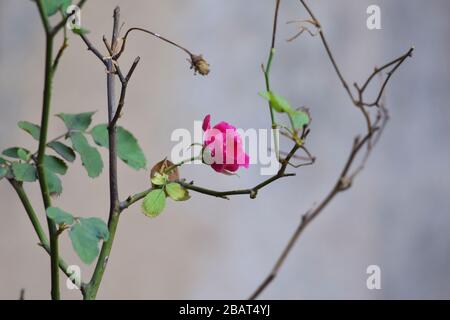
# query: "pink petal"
x,y
224,126
206,122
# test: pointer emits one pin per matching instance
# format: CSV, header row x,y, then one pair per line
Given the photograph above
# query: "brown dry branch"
x,y
351,169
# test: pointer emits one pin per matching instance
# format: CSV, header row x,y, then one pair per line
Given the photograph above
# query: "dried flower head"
x,y
199,64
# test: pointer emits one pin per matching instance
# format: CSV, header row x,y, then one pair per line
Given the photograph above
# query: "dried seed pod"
x,y
199,64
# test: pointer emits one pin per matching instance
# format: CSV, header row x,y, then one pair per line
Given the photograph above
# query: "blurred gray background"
x,y
396,215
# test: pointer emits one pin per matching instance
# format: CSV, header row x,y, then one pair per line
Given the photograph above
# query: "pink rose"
x,y
223,148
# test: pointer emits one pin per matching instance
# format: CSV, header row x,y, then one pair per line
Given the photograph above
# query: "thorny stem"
x,y
43,241
54,267
50,68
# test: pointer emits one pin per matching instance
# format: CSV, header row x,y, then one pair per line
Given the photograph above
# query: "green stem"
x,y
18,187
41,170
92,288
267,79
54,267
179,164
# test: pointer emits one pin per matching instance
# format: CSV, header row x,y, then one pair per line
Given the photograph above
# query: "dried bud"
x,y
163,165
199,64
118,47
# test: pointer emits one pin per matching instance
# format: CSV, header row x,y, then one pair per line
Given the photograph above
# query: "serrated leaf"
x,y
84,243
24,172
159,179
33,129
53,6
176,192
97,227
55,164
63,150
300,118
53,183
78,121
60,216
278,103
154,203
90,157
18,153
128,149
85,236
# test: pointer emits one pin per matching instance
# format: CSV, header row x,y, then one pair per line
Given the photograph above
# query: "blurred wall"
x,y
396,215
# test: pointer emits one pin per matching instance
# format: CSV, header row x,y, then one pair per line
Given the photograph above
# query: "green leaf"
x,y
18,153
159,179
80,31
3,161
33,129
55,164
154,203
63,150
24,172
90,157
53,6
278,103
300,118
79,121
60,216
3,172
85,236
53,183
84,243
176,192
97,227
128,149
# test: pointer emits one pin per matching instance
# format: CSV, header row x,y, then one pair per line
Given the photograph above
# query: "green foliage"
x,y
59,216
97,227
53,183
159,179
63,150
55,164
90,157
53,6
128,149
176,192
79,121
85,235
17,153
3,172
33,129
24,172
278,103
80,31
154,203
300,118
